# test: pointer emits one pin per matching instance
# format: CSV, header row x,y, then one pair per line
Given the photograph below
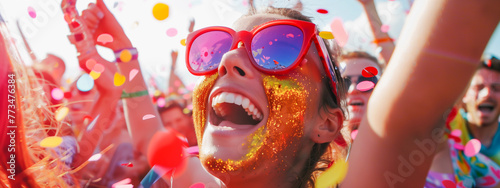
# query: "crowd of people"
x,y
276,106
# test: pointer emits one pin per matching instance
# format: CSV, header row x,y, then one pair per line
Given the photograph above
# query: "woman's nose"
x,y
236,63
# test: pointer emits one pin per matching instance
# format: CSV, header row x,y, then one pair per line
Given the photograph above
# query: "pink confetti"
x,y
57,94
32,12
95,157
105,38
365,85
148,116
90,63
472,147
197,185
456,133
339,32
193,150
190,107
449,184
385,28
160,102
459,146
354,134
98,68
122,182
171,32
132,74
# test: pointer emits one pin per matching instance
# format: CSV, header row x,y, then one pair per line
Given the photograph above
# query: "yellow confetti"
x,y
183,42
160,11
333,175
326,35
125,56
157,93
186,111
119,79
61,113
51,142
94,75
68,81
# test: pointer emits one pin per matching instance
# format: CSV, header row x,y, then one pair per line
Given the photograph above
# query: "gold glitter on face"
x,y
281,134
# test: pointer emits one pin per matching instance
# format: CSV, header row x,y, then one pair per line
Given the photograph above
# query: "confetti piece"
x,y
160,11
197,185
459,146
193,150
98,68
326,35
171,32
378,49
322,11
449,184
128,164
104,38
148,116
67,95
32,12
333,175
157,93
119,79
339,32
354,133
95,75
92,124
51,142
95,157
90,63
122,182
365,85
57,94
185,111
472,147
124,186
190,107
132,74
183,42
456,133
369,72
160,102
166,150
384,28
61,113
68,81
125,56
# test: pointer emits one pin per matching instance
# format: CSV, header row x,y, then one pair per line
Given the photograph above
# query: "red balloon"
x,y
369,72
166,150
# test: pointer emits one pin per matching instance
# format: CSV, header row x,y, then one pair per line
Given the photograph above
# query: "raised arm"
x,y
435,59
381,39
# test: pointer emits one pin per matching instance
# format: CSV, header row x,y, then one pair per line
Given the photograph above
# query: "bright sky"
x,y
46,33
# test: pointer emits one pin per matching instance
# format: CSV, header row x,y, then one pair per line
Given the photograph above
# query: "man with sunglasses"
x,y
359,80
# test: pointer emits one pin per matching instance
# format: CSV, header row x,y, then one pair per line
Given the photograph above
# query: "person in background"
x,y
173,116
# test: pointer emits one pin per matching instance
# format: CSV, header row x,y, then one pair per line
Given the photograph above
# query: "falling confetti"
x,y
449,184
104,38
125,56
148,116
183,42
378,49
339,32
132,74
365,85
171,32
354,133
57,94
95,75
51,142
369,72
90,63
333,175
92,124
456,132
160,11
61,113
128,164
326,35
160,102
95,157
472,147
123,182
197,185
384,28
67,95
119,79
322,11
98,68
32,12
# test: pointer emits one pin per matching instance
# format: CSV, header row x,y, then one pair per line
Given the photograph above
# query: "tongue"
x,y
236,114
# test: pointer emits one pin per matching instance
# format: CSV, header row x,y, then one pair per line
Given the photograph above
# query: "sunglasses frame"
x,y
309,32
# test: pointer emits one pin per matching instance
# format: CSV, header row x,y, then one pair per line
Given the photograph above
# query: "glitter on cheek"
x,y
276,143
200,98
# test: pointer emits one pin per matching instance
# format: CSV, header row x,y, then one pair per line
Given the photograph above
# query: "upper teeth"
x,y
226,97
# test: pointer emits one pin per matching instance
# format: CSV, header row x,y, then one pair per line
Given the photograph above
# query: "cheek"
x,y
200,98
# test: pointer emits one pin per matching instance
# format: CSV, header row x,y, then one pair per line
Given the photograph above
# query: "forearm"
x,y
428,73
375,26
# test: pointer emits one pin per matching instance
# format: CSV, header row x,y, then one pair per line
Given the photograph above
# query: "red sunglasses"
x,y
276,47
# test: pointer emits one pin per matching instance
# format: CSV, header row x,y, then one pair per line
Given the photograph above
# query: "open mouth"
x,y
486,107
235,108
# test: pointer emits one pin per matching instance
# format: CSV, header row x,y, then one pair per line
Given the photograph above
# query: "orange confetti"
x,y
160,11
119,79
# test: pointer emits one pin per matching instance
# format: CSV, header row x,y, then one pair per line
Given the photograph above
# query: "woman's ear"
x,y
328,127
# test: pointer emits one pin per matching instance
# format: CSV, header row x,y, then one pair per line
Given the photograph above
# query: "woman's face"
x,y
356,99
252,123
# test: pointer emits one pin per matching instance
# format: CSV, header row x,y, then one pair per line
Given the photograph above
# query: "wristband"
x,y
133,52
387,39
134,94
